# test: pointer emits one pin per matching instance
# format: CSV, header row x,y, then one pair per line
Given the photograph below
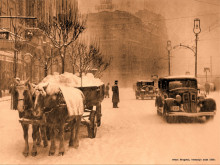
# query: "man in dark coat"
x,y
115,96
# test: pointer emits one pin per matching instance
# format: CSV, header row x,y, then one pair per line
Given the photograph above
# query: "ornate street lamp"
x,y
196,30
169,47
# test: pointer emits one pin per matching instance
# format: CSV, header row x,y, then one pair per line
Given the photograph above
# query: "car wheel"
x,y
209,118
168,119
158,111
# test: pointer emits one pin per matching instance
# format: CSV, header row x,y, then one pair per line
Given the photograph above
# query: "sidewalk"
x,y
6,96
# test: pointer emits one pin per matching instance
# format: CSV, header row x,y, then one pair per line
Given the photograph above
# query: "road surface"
x,y
130,134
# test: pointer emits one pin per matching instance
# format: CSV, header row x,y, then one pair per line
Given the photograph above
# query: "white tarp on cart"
x,y
74,101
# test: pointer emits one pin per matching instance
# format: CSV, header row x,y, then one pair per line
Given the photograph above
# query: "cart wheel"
x,y
93,125
99,114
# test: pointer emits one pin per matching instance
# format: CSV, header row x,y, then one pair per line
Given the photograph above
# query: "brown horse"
x,y
23,93
54,108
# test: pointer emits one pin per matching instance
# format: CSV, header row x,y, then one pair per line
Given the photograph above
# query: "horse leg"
x,y
76,132
61,136
48,132
35,135
72,133
38,136
44,136
52,139
25,131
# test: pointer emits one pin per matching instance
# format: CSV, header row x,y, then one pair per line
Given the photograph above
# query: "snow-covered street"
x,y
130,134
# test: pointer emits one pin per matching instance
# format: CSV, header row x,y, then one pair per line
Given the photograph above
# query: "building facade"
x,y
135,43
24,49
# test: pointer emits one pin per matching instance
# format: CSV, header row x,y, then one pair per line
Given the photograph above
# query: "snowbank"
x,y
53,82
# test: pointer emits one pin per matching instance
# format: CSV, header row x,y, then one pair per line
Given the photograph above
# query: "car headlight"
x,y
178,98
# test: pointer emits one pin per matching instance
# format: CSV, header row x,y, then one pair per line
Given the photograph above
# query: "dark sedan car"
x,y
145,89
178,96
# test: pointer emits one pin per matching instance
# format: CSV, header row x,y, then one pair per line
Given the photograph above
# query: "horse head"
x,y
43,102
23,94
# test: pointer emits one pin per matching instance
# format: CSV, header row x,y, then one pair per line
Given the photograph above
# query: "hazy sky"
x,y
179,16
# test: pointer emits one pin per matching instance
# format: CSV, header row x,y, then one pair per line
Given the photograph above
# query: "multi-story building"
x,y
29,42
134,42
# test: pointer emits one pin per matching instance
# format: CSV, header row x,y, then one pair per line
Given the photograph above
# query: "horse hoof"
x,y
51,153
45,145
34,153
25,154
76,146
70,144
61,153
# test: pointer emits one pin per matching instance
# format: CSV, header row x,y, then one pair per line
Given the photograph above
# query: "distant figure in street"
x,y
107,90
207,87
115,96
14,94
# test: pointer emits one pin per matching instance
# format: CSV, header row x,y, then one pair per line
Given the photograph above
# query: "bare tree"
x,y
85,58
63,30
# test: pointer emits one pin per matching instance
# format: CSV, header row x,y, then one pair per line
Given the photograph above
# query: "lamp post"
x,y
169,47
196,30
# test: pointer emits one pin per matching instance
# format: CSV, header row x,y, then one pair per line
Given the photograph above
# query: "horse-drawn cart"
x,y
62,103
92,112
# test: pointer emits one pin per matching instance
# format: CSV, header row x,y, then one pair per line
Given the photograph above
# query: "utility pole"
x,y
169,47
211,67
196,56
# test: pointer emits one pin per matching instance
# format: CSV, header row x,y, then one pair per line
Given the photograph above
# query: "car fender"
x,y
208,105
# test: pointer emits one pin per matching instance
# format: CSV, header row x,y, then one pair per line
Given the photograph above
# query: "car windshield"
x,y
145,83
182,83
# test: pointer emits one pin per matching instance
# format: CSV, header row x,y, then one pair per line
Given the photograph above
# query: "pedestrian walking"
x,y
107,91
207,88
115,95
14,95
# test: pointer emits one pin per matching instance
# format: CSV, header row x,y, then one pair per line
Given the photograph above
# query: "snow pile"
x,y
53,82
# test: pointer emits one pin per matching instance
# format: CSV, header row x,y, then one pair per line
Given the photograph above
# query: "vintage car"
x,y
145,89
179,96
